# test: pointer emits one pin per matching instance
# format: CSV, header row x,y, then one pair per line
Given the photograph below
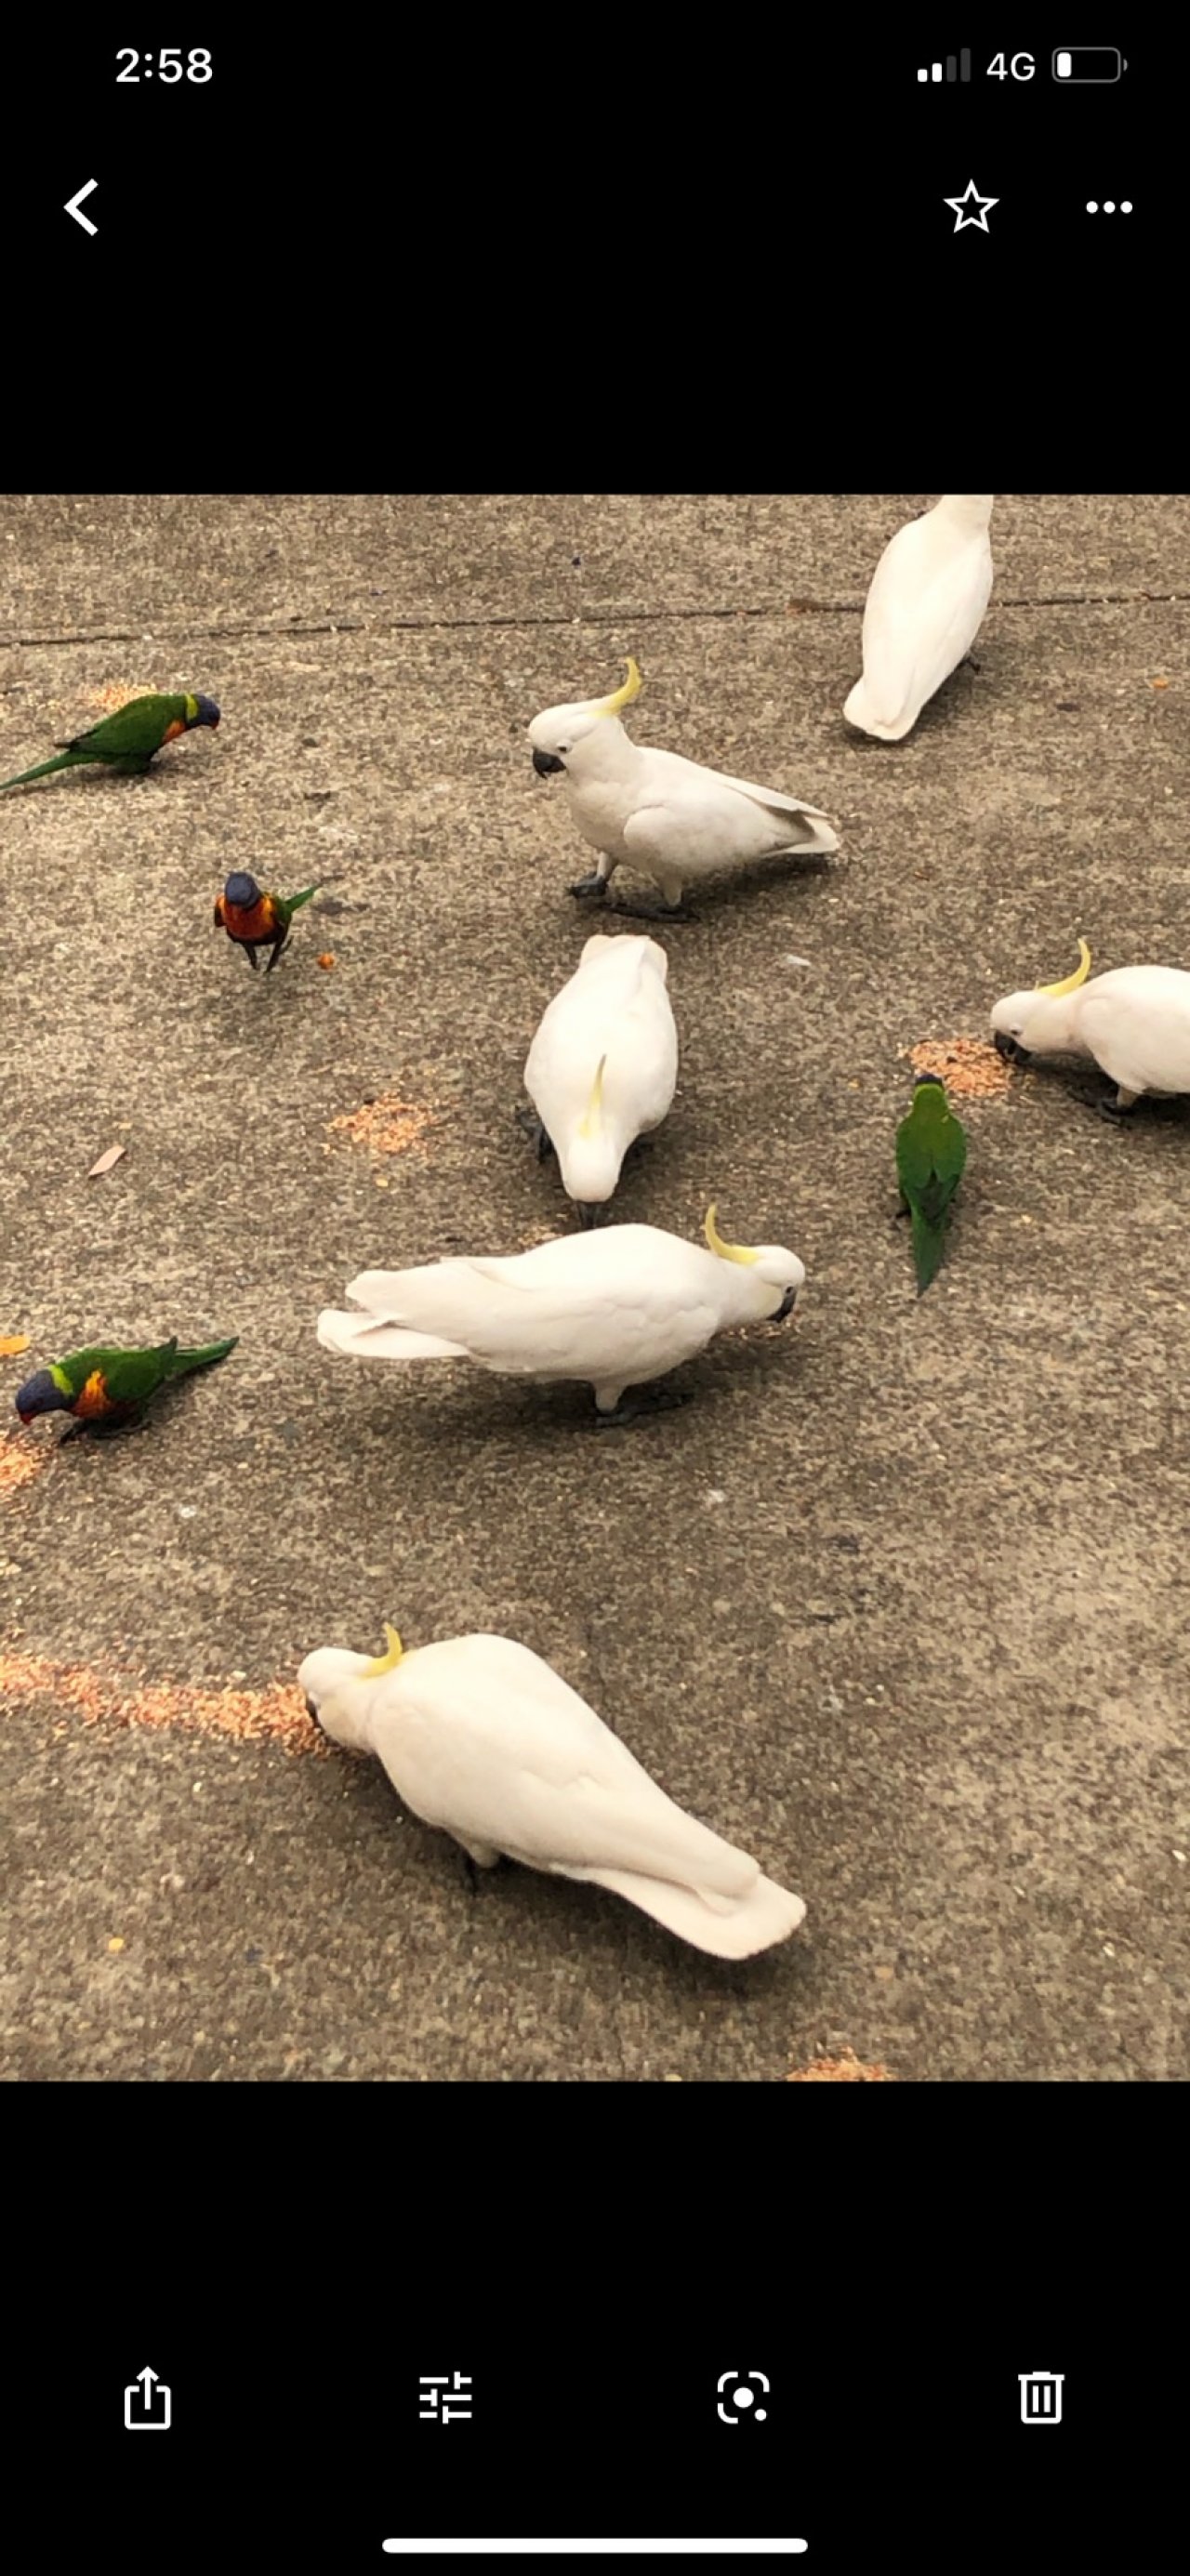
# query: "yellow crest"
x,y
1071,982
592,1116
726,1251
623,697
384,1663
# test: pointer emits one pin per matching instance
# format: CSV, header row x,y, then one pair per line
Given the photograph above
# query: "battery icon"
x,y
1089,63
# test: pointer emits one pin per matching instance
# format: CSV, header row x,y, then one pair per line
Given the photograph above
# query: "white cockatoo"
x,y
924,610
616,1308
485,1740
1134,1022
603,1064
655,811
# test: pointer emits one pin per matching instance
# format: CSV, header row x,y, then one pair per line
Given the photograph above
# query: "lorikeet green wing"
x,y
288,904
931,1155
127,740
139,729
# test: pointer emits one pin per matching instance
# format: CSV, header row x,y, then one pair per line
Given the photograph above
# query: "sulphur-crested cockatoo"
x,y
603,1065
655,811
1135,1022
616,1309
924,610
484,1739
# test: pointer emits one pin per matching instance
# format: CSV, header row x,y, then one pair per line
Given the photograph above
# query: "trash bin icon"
x,y
1041,2396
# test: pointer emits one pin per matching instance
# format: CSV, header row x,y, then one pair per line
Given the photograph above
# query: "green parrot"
x,y
931,1153
255,918
128,740
104,1388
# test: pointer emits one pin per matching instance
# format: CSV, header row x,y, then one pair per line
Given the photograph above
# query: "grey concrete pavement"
x,y
897,1602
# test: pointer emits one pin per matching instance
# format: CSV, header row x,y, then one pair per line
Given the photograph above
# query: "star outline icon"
x,y
968,215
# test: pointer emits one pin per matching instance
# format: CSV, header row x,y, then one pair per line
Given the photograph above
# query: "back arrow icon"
x,y
74,203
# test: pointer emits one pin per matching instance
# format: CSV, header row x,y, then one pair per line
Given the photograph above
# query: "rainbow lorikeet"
x,y
104,1388
931,1155
129,740
255,918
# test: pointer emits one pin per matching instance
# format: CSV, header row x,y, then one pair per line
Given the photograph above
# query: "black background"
x,y
492,240
370,146
891,2260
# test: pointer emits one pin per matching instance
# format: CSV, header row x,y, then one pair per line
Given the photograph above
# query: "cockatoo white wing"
x,y
731,815
690,832
1136,1022
767,1913
614,1012
924,610
483,1738
642,1068
365,1337
586,1305
817,834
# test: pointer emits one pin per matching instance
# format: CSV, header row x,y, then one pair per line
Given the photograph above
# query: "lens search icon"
x,y
742,2407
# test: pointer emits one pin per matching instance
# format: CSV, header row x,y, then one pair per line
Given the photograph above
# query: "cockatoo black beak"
x,y
545,763
1009,1048
786,1306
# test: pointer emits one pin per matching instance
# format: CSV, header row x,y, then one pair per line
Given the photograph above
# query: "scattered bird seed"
x,y
276,1715
845,2069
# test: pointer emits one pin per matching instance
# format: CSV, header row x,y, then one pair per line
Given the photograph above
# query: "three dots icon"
x,y
1109,206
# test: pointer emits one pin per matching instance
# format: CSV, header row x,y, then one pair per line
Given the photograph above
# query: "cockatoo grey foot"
x,y
592,1212
531,1126
1112,1110
590,889
477,1856
969,662
638,1404
647,908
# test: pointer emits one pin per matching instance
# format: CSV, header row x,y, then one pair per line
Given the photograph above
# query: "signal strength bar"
x,y
955,70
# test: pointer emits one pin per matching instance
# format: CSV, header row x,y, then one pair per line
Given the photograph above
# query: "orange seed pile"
x,y
21,1460
970,1067
387,1125
840,2070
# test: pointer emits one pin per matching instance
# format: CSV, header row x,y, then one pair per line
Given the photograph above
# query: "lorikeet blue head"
x,y
41,1394
208,712
241,892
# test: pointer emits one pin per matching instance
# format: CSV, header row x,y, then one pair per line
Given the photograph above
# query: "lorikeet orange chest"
x,y
255,922
93,1403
